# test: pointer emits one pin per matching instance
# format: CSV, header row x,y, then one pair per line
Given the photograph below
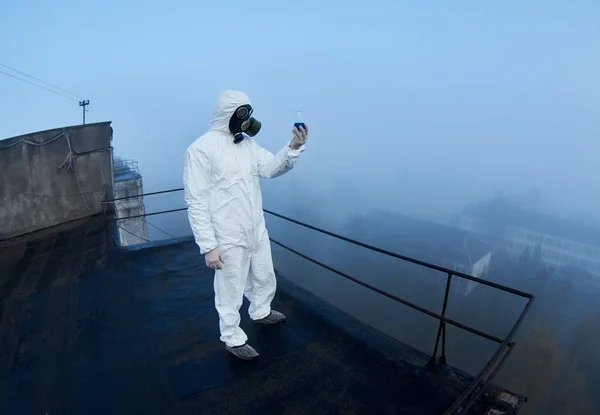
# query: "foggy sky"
x,y
418,107
415,107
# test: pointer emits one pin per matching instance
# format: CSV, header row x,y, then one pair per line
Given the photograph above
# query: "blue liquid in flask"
x,y
299,120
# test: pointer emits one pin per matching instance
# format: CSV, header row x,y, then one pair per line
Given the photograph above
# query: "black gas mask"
x,y
242,123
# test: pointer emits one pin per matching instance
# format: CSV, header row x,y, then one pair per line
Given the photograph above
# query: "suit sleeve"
x,y
271,166
196,183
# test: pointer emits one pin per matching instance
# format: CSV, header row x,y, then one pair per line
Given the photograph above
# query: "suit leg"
x,y
229,287
262,283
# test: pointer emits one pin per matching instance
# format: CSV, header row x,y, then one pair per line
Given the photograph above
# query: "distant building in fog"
x,y
473,259
438,244
562,242
127,183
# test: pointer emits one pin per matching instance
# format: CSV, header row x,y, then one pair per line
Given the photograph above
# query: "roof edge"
x,y
76,126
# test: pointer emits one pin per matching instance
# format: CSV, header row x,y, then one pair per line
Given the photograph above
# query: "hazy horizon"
x,y
418,108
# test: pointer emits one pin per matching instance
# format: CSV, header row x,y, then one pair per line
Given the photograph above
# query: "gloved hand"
x,y
300,137
213,259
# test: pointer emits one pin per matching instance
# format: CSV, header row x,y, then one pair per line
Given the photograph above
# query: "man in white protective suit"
x,y
222,191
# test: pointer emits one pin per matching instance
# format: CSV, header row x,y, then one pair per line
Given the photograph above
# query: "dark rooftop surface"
x,y
88,328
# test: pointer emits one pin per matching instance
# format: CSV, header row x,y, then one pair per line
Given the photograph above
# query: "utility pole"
x,y
84,104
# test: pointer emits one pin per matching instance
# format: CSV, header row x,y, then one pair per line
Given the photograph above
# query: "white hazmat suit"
x,y
222,192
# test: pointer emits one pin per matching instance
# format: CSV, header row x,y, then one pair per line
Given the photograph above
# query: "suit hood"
x,y
227,103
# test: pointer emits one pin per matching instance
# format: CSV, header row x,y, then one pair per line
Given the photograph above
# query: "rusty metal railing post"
x,y
441,334
442,359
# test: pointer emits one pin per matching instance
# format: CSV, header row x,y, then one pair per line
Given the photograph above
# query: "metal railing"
x,y
121,165
489,371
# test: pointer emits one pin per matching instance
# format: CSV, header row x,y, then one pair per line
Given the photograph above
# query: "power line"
x,y
39,80
39,86
84,104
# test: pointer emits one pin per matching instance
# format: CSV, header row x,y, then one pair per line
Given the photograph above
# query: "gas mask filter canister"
x,y
242,123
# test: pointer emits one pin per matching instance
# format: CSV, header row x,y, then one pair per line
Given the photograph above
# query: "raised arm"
x,y
271,166
196,183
